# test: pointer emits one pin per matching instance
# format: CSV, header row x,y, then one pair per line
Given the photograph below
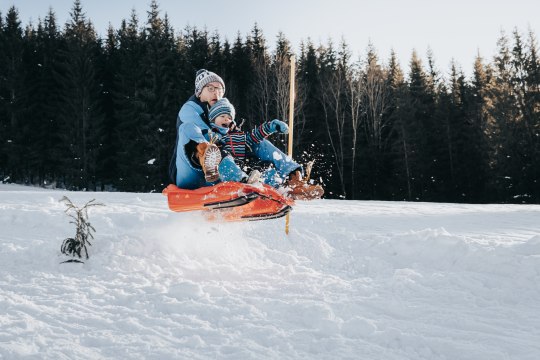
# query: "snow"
x,y
352,280
277,156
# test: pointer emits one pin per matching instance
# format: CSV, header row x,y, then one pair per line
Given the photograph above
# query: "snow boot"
x,y
254,177
209,157
300,189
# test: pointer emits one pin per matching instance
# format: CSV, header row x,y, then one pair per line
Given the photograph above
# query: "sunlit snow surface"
x,y
353,280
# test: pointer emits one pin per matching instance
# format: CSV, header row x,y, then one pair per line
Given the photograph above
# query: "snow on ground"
x,y
353,280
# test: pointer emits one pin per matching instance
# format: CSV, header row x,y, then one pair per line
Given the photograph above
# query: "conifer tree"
x,y
260,85
479,117
3,105
128,106
108,66
43,87
464,138
147,101
239,84
503,126
333,86
11,96
374,104
80,108
419,126
157,93
309,108
532,100
310,131
280,84
216,60
401,137
87,112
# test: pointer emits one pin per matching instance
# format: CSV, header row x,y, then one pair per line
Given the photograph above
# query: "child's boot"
x,y
300,189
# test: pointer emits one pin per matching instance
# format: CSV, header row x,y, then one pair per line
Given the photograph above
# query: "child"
x,y
236,142
239,144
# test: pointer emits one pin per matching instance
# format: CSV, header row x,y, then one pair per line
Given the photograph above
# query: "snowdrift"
x,y
369,280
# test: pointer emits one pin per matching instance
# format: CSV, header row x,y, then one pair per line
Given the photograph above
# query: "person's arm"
x,y
189,117
264,130
193,132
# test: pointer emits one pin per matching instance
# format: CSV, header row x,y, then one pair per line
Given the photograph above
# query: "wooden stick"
x,y
291,120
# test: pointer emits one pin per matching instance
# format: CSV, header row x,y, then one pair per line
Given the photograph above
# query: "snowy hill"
x,y
353,280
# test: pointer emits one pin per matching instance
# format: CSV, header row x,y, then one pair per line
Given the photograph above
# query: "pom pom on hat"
x,y
222,106
205,77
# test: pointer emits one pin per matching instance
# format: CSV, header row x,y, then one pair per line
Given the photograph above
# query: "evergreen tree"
x,y
279,94
88,113
401,136
11,97
465,139
109,65
280,72
239,84
156,129
80,107
332,78
532,101
375,102
503,127
216,60
525,62
3,103
309,111
128,105
260,84
311,141
420,127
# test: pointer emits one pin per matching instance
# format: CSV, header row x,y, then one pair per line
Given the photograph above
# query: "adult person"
x,y
197,162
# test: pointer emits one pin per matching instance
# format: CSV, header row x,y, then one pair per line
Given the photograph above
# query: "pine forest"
x,y
84,112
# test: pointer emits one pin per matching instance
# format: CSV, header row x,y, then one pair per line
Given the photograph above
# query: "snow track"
x,y
370,280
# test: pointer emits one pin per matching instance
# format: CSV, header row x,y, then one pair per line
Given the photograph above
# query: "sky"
x,y
453,30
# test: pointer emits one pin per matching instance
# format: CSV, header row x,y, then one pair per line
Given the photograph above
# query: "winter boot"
x,y
300,189
254,177
209,157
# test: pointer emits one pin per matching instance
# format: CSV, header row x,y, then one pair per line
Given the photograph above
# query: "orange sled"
x,y
230,201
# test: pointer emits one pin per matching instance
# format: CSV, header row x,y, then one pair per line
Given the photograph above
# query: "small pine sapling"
x,y
74,246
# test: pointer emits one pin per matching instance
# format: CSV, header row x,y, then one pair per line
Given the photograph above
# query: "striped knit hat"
x,y
205,77
222,106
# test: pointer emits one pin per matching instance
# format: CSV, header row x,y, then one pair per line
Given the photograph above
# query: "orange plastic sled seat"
x,y
230,201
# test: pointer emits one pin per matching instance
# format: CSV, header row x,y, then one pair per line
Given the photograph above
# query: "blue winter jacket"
x,y
192,128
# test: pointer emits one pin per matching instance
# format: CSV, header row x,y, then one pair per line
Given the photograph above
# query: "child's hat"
x,y
222,106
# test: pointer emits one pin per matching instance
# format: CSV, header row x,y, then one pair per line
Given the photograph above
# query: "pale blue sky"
x,y
453,29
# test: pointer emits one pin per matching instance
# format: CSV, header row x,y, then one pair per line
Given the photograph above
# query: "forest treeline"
x,y
80,111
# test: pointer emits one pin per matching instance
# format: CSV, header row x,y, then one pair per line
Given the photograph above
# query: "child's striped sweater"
x,y
237,143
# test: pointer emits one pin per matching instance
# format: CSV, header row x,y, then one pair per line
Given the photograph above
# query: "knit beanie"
x,y
222,106
205,77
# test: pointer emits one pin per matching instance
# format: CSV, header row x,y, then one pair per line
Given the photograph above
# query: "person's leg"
x,y
230,171
187,177
284,165
271,177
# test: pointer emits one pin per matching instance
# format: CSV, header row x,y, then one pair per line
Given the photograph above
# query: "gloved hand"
x,y
279,126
